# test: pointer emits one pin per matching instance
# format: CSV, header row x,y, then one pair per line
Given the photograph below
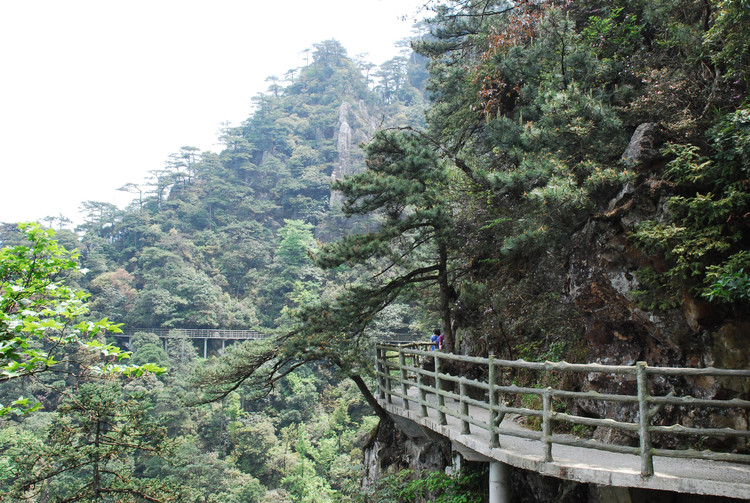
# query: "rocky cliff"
x,y
355,126
590,292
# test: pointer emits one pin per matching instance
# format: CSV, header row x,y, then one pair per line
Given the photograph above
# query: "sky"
x,y
94,94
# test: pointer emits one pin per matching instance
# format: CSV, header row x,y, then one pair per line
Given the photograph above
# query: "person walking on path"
x,y
434,339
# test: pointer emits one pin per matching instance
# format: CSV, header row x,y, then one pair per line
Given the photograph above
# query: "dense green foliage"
x,y
138,441
704,242
89,447
539,99
404,487
463,220
42,324
214,241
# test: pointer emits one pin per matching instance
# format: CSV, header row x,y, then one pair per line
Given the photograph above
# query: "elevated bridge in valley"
x,y
211,337
205,335
501,416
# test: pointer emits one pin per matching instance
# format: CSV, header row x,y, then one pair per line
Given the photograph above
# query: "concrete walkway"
x,y
692,476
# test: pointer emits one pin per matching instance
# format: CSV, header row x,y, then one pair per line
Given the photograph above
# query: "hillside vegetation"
x,y
539,179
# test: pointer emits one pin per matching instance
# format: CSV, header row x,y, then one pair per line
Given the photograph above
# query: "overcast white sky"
x,y
96,93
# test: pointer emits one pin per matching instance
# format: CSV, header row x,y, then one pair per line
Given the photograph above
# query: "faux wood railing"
x,y
222,333
197,333
411,367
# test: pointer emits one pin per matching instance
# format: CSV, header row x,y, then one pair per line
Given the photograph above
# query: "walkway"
x,y
197,333
407,390
212,334
204,334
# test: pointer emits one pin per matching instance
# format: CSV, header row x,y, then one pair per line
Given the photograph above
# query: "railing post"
x,y
380,370
494,437
440,398
465,428
644,420
387,379
422,394
547,424
402,369
388,396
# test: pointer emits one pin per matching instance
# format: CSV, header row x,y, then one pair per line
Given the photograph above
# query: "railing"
x,y
198,333
401,368
220,333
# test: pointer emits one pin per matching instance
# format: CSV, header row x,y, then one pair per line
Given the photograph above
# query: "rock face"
x,y
355,126
597,280
530,487
391,450
641,149
601,284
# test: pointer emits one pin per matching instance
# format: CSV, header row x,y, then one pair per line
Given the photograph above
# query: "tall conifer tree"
x,y
405,183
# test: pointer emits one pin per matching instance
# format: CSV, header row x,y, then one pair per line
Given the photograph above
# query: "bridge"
x,y
500,416
202,334
210,334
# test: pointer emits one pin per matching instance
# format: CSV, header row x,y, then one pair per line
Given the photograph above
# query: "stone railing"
x,y
413,374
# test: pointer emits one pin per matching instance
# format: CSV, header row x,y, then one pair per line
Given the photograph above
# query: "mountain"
x,y
202,246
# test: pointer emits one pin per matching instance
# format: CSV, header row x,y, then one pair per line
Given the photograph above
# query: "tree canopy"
x,y
41,317
581,169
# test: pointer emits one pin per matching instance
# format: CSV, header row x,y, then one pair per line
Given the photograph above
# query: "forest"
x,y
540,179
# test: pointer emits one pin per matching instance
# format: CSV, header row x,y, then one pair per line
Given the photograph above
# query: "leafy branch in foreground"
x,y
40,316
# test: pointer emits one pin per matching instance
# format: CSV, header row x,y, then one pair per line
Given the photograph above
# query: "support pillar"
x,y
499,482
205,348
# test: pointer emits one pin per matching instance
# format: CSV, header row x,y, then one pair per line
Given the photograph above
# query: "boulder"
x,y
642,147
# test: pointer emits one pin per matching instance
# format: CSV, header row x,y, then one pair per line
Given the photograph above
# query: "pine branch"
x,y
457,161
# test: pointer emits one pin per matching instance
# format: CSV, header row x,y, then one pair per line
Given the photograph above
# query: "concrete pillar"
x,y
499,482
205,348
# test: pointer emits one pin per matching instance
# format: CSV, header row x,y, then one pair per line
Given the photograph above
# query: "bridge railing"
x,y
412,367
227,334
197,333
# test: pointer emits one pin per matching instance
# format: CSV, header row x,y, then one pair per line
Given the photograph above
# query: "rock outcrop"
x,y
392,449
355,126
597,277
642,147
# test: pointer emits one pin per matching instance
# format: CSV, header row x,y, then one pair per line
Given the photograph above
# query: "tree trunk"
x,y
445,299
369,398
96,483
